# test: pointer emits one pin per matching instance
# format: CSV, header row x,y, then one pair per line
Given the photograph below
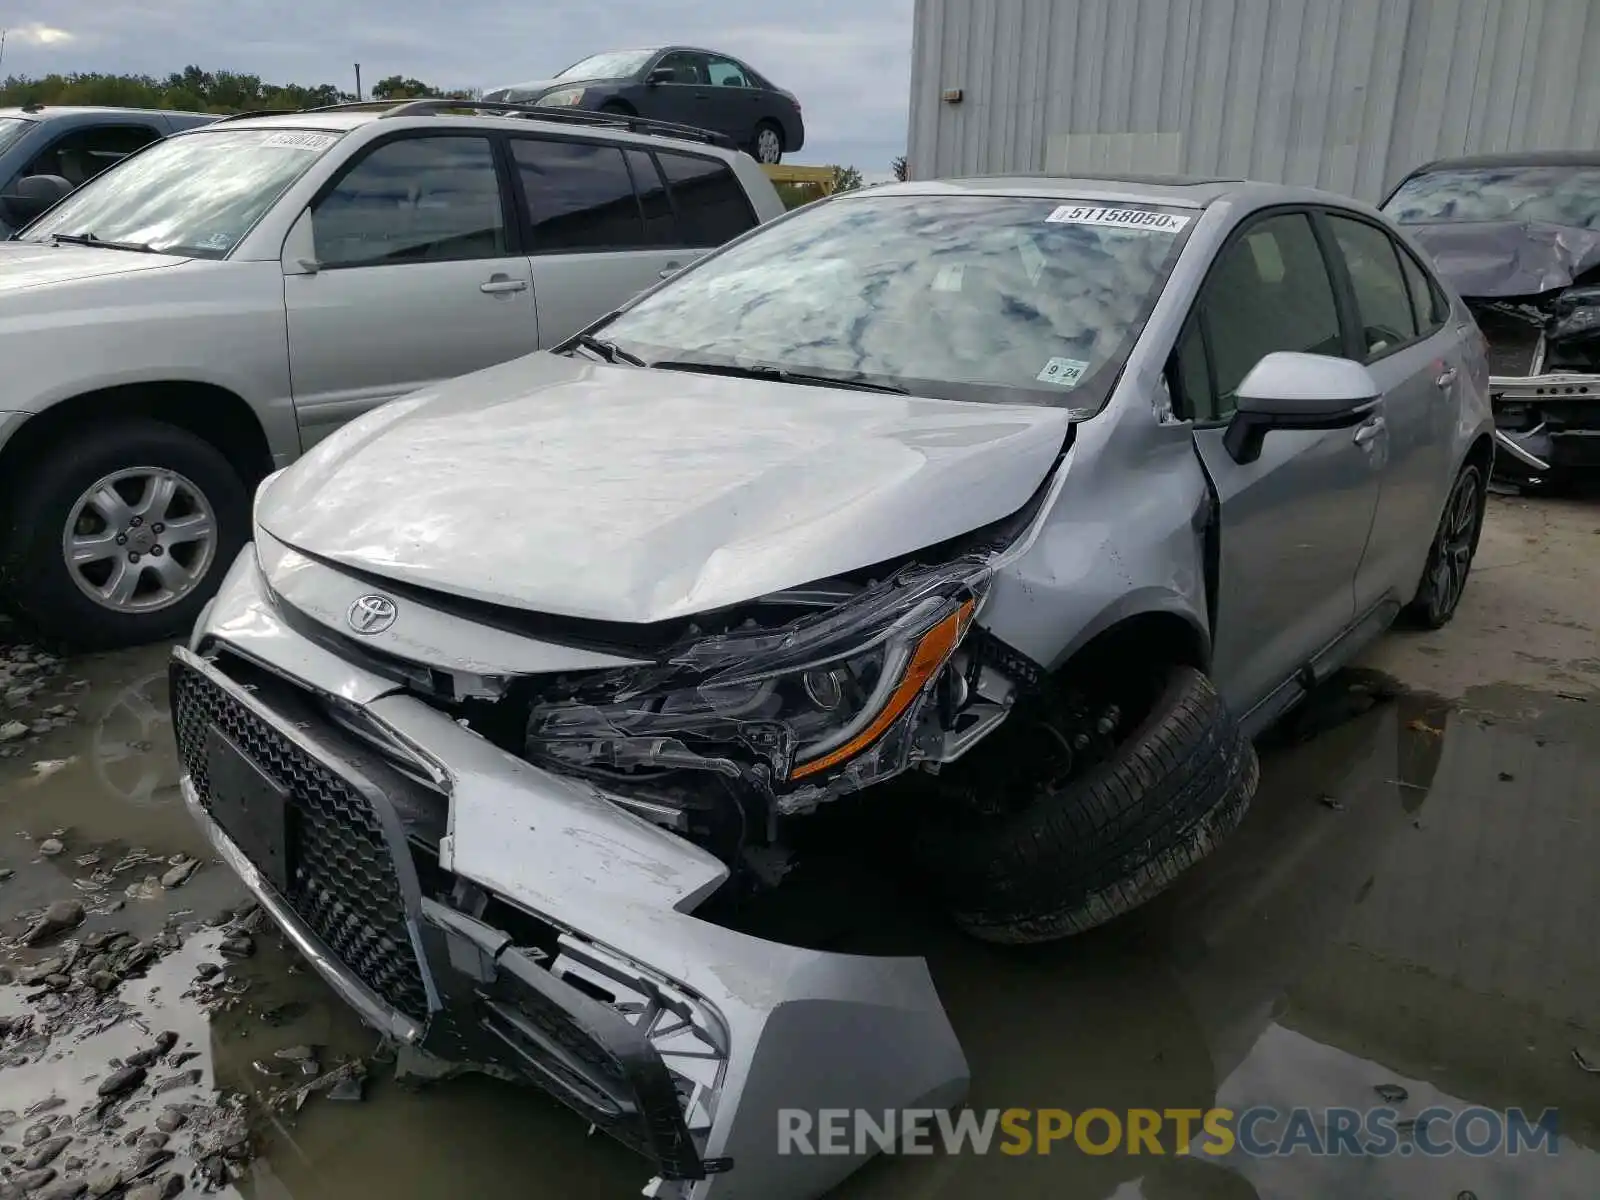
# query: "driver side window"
x,y
1268,290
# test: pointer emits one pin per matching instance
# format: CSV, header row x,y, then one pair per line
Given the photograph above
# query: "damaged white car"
x,y
1013,508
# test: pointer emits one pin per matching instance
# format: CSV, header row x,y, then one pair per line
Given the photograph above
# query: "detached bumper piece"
x,y
315,831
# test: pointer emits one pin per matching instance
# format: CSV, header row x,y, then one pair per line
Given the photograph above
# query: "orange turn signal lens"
x,y
933,651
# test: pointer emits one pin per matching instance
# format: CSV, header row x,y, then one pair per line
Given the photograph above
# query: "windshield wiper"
x,y
89,239
853,383
609,351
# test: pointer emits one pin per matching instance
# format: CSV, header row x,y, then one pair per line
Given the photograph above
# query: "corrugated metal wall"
x,y
1342,94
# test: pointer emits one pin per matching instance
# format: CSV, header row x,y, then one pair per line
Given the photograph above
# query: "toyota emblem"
x,y
371,614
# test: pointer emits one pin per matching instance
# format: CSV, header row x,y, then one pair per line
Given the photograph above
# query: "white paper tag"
x,y
949,277
301,140
1117,218
1063,372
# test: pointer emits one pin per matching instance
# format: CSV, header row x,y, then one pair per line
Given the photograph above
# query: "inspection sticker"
x,y
1117,218
300,140
1063,372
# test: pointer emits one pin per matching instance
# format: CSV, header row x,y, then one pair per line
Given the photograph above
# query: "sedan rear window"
x,y
998,298
1555,195
195,193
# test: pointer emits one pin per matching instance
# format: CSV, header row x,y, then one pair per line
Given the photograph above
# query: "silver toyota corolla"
x,y
1009,509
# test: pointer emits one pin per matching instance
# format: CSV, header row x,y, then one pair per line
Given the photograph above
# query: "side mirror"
x,y
660,75
33,196
1290,390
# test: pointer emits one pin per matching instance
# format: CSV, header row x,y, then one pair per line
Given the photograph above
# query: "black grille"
x,y
342,878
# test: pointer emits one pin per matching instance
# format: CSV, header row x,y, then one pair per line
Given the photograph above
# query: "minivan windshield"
x,y
195,194
1010,299
612,64
1554,195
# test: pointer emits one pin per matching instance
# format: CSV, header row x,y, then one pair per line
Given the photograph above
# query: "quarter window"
x,y
579,196
1383,299
429,199
1269,290
712,207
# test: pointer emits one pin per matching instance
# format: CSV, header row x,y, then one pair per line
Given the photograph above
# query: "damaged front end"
x,y
1544,361
1534,289
513,874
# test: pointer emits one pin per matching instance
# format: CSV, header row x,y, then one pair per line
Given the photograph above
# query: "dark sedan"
x,y
703,88
1519,237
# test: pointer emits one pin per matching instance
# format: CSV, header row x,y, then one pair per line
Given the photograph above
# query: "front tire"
x,y
1100,844
120,535
1455,542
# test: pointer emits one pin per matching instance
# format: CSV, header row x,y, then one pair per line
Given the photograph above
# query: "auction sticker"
x,y
1063,372
1117,218
301,140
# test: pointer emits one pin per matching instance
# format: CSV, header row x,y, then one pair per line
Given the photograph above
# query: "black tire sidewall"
x,y
33,573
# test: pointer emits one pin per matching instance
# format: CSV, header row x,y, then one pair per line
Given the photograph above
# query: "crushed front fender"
x,y
498,916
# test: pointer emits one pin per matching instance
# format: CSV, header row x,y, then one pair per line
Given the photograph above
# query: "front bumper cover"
x,y
682,1038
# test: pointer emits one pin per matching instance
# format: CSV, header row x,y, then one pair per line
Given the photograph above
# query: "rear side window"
x,y
1426,301
712,207
660,228
577,196
1383,298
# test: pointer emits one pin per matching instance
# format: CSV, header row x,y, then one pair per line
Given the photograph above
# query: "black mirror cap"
x,y
660,75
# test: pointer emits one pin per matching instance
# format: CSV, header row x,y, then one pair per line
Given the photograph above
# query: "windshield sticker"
x,y
1063,372
300,140
1117,218
949,277
216,241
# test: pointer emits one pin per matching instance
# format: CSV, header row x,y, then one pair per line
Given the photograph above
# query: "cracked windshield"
x,y
845,600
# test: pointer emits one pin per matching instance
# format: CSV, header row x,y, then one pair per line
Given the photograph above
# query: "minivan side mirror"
x,y
32,196
1291,390
660,75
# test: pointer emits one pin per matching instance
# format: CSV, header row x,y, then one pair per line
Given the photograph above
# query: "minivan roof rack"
x,y
633,124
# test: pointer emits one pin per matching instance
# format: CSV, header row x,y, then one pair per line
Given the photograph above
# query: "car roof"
x,y
1515,158
44,111
1179,191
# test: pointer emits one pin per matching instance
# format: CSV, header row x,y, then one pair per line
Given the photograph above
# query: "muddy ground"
x,y
1410,905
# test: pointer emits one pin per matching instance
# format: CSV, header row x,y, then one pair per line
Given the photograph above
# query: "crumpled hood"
x,y
613,493
25,265
1494,259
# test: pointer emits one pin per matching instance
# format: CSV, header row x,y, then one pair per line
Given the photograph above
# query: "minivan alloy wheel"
x,y
139,539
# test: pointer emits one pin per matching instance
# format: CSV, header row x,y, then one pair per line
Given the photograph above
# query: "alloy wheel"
x,y
139,540
1458,537
769,147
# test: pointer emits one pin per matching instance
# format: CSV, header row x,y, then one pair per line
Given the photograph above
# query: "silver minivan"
x,y
210,308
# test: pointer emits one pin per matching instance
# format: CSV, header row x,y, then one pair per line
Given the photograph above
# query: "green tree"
x,y
846,179
396,87
902,171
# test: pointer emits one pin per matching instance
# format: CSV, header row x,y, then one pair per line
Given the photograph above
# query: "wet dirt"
x,y
1409,906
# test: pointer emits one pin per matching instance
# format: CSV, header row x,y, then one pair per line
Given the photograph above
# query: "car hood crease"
x,y
1500,259
560,486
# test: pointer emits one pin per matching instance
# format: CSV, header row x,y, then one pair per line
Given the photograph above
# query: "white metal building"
x,y
1343,94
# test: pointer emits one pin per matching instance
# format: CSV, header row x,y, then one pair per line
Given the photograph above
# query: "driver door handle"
x,y
497,284
1446,377
1369,431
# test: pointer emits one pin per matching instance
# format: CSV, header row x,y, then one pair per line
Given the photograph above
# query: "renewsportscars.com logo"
x,y
1258,1132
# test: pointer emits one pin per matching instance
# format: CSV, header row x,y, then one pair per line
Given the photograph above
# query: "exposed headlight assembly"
x,y
831,698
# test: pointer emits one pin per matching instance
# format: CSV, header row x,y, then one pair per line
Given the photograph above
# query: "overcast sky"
x,y
847,60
